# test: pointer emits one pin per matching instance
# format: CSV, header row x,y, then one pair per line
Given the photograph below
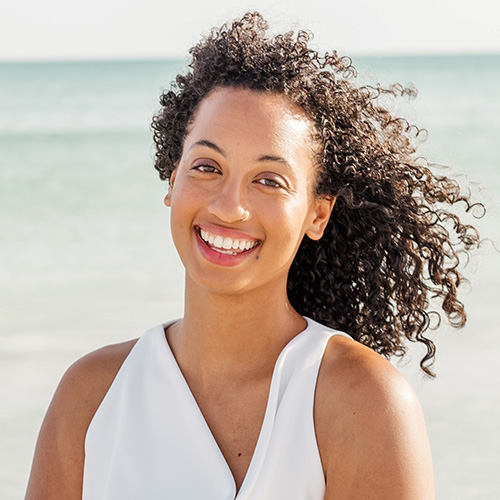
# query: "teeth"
x,y
226,244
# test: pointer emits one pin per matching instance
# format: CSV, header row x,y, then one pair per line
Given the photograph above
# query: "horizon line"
x,y
181,59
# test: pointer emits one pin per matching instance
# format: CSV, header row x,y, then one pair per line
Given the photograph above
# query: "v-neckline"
x,y
266,426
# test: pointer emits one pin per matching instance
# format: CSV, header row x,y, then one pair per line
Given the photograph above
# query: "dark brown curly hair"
x,y
392,247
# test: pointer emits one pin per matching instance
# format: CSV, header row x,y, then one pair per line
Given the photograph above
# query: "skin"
x,y
246,171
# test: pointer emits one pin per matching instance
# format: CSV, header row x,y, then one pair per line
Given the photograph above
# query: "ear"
x,y
168,197
324,207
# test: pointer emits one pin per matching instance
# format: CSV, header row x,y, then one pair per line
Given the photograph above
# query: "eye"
x,y
205,167
269,183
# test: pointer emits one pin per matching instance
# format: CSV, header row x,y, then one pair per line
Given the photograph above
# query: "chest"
x,y
154,436
235,414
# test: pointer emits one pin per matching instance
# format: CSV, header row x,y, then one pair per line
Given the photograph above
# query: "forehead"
x,y
241,116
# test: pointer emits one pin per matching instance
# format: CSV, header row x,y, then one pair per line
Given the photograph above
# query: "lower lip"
x,y
222,259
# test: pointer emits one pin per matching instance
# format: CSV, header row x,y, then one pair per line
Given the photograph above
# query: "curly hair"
x,y
392,248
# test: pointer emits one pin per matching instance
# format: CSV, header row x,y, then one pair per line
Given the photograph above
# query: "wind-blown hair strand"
x,y
394,240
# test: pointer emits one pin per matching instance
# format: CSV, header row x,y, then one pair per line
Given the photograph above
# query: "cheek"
x,y
289,221
182,197
180,210
188,191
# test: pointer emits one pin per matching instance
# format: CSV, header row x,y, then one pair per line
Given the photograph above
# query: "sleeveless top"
x,y
148,439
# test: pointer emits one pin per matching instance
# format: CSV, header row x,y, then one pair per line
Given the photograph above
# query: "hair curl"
x,y
392,244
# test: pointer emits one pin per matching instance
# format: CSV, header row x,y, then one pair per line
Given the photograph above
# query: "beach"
x,y
87,258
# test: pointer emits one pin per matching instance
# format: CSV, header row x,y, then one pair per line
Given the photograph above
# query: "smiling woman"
x,y
246,174
312,237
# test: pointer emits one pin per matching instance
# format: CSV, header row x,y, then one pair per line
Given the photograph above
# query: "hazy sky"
x,y
103,29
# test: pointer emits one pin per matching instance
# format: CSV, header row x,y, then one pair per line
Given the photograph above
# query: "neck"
x,y
233,335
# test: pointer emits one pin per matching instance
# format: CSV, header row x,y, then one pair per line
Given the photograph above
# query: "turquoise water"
x,y
86,258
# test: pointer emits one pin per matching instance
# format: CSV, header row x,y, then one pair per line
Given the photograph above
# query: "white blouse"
x,y
149,440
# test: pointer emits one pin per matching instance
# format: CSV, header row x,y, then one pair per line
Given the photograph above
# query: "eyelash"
x,y
269,183
206,168
211,169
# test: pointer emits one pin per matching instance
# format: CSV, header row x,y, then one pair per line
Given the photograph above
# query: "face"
x,y
242,196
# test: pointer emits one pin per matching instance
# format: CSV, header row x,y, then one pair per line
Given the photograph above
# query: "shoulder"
x,y
86,382
357,371
370,427
90,377
57,469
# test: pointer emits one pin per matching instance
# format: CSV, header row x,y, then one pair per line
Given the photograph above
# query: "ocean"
x,y
86,258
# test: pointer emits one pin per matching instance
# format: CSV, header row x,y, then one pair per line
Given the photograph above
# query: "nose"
x,y
228,204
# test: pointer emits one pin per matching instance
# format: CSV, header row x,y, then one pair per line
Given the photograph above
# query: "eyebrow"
x,y
263,158
277,159
209,144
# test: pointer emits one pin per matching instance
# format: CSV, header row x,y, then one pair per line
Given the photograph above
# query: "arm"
x,y
370,428
57,470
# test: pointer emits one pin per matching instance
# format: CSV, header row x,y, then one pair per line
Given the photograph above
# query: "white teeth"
x,y
220,243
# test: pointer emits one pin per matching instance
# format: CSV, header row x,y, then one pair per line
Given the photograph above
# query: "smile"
x,y
225,244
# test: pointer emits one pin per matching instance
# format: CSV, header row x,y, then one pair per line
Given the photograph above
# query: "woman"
x,y
300,210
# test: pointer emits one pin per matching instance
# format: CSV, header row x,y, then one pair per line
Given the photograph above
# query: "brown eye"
x,y
269,183
205,168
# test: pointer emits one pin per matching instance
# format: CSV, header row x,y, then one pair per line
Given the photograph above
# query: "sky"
x,y
136,29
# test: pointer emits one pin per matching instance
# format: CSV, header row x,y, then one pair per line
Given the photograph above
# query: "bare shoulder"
x,y
57,470
360,376
93,374
88,379
370,427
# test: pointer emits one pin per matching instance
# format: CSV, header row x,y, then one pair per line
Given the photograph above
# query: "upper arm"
x,y
371,430
57,470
